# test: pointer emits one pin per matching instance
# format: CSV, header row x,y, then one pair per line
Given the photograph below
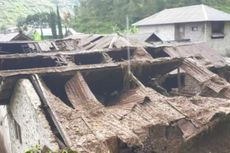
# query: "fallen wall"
x,y
27,123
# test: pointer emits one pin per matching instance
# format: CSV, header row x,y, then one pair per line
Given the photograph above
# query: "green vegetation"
x,y
42,20
106,16
12,10
96,16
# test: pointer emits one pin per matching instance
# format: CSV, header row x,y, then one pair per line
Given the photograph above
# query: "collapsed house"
x,y
105,94
15,36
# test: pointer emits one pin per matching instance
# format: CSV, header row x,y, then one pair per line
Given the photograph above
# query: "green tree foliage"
x,y
52,24
106,16
59,23
41,20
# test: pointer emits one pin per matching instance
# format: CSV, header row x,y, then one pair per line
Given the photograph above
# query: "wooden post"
x,y
179,79
36,84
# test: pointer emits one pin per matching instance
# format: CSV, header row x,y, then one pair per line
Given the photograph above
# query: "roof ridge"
x,y
204,11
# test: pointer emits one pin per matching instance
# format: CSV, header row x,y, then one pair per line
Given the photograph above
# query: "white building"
x,y
198,23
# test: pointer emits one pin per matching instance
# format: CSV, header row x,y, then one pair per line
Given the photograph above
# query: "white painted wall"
x,y
25,109
165,32
4,128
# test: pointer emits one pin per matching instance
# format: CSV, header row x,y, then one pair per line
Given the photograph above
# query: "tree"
x,y
3,29
59,23
53,24
41,20
38,20
103,16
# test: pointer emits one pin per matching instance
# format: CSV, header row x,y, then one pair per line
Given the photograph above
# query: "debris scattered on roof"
x,y
96,105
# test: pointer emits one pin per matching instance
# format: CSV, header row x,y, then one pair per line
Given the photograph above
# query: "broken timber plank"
x,y
58,53
38,87
67,69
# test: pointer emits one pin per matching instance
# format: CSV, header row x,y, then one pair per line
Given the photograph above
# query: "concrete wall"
x,y
191,85
165,32
25,110
195,35
168,32
222,45
202,34
4,128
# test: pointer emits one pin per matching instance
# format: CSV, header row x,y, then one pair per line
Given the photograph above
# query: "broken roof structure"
x,y
17,36
199,52
187,14
94,104
145,37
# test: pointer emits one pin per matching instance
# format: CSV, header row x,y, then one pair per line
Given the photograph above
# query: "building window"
x,y
195,28
218,30
17,129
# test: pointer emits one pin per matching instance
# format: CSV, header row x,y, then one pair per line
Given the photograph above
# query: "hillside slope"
x,y
12,9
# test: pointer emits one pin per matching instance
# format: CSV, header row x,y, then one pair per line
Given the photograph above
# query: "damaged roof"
x,y
97,105
110,41
199,52
14,37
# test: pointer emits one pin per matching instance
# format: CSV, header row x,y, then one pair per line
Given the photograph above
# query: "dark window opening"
x,y
85,59
26,63
218,29
195,28
119,56
56,84
107,86
157,52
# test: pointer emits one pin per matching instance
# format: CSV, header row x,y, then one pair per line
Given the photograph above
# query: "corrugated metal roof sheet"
x,y
199,52
13,36
110,41
204,76
195,13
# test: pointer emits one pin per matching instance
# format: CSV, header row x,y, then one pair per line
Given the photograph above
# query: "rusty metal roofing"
x,y
199,52
110,41
137,116
205,77
138,123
